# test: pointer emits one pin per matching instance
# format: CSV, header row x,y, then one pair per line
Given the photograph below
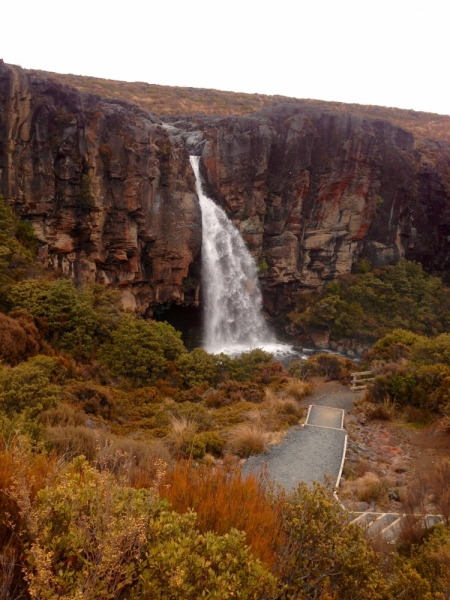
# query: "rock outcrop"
x,y
110,192
313,192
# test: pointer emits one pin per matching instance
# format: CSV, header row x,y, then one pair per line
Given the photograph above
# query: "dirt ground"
x,y
383,458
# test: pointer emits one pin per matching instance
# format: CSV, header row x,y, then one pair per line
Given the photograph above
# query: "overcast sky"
x,y
390,53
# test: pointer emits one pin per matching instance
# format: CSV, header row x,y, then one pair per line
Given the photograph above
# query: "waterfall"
x,y
233,317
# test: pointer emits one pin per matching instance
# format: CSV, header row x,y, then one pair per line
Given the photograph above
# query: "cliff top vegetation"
x,y
170,100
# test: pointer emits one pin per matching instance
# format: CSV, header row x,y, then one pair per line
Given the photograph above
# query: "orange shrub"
x,y
223,500
36,471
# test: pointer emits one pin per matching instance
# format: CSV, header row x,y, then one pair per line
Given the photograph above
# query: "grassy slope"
x,y
167,100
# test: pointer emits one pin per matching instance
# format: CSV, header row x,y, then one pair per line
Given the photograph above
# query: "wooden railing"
x,y
360,380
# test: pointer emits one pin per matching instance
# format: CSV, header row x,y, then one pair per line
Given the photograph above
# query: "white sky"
x,y
390,53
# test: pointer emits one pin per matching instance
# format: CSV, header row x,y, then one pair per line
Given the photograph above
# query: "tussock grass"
x,y
63,415
247,439
298,389
384,411
181,433
137,457
368,488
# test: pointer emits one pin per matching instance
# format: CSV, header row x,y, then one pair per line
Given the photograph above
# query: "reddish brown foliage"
x,y
38,467
19,337
223,500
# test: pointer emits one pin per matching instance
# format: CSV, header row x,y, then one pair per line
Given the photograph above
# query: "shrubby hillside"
x,y
370,303
119,472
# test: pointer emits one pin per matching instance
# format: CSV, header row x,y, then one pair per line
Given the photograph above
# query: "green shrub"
x,y
244,367
368,305
64,313
432,351
17,244
212,441
27,387
327,554
425,575
395,346
141,351
331,366
196,368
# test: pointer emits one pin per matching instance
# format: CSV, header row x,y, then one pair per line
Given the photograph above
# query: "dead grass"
x,y
136,456
284,405
63,415
384,411
368,488
298,389
167,100
247,439
181,433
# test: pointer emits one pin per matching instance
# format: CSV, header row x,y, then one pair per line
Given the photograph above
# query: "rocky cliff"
x,y
110,195
110,192
313,192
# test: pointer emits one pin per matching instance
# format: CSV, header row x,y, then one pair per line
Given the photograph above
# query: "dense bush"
x,y
141,351
74,320
417,373
28,387
367,305
425,574
196,368
20,337
324,364
92,536
328,556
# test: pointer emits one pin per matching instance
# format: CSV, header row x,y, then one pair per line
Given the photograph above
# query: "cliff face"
x,y
313,192
110,192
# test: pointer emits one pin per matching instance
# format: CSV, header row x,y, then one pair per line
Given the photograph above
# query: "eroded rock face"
x,y
109,193
314,191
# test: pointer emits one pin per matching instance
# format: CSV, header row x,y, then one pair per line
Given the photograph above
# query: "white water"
x,y
234,322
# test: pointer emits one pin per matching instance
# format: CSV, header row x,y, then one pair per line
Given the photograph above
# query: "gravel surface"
x,y
310,453
306,454
324,416
333,394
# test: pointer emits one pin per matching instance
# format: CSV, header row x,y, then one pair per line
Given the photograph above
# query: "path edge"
x,y
342,461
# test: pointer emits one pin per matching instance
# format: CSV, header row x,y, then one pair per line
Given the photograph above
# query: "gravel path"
x,y
332,393
310,453
325,416
306,454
